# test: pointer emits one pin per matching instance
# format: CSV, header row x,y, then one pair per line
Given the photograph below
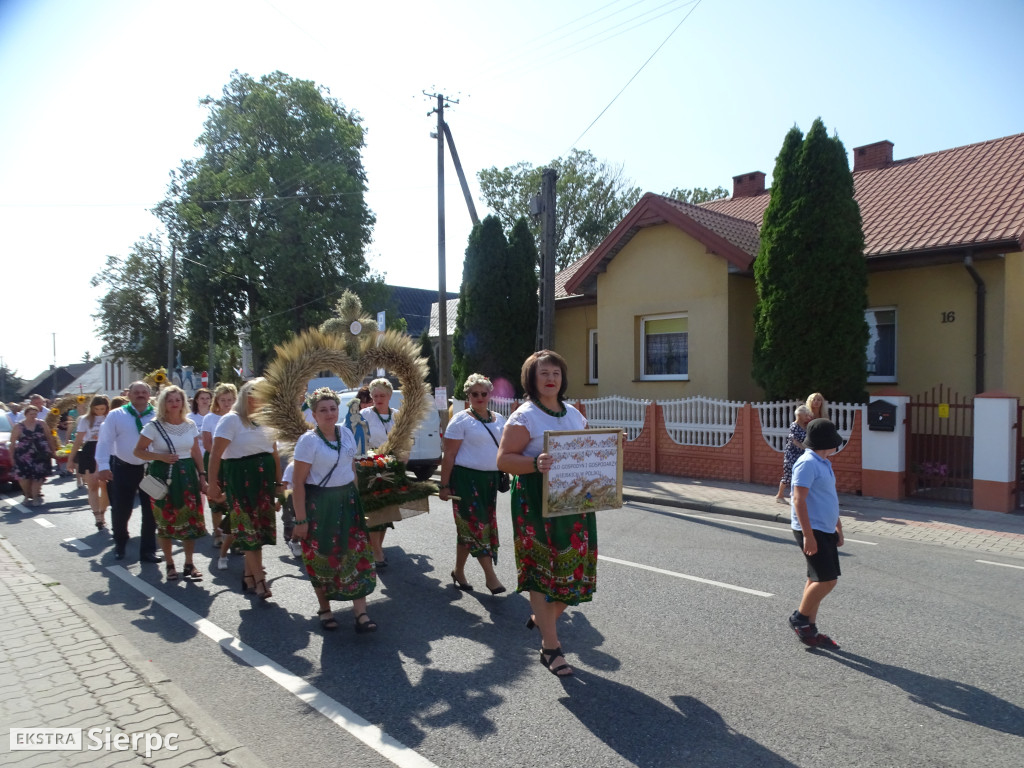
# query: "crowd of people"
x,y
174,457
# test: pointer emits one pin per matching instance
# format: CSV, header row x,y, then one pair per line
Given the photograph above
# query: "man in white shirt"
x,y
116,462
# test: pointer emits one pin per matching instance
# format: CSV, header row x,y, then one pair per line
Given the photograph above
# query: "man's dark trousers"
x,y
123,490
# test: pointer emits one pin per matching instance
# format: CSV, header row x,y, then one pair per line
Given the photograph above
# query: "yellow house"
x,y
663,307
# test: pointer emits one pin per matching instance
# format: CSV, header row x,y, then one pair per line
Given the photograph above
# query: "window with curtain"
x,y
881,344
665,345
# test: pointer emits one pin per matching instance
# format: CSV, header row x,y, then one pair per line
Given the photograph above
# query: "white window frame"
x,y
592,356
644,376
887,379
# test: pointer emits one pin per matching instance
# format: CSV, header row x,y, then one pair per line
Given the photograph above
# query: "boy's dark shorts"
x,y
823,565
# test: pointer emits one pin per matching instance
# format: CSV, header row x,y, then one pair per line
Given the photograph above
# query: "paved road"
x,y
684,657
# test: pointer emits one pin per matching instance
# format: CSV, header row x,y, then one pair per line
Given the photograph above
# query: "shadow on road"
x,y
646,732
957,700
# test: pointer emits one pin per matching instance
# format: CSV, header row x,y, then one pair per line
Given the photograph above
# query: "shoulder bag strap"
x,y
160,429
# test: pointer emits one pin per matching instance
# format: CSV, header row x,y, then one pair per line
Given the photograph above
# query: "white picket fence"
x,y
616,412
701,421
777,417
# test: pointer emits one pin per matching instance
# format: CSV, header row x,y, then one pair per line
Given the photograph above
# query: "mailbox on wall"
x,y
882,416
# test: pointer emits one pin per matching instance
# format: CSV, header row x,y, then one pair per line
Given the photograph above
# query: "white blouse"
x,y
245,441
183,436
537,422
311,449
477,451
91,433
379,429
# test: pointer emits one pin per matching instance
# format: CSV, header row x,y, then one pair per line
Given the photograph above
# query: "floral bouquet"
x,y
382,482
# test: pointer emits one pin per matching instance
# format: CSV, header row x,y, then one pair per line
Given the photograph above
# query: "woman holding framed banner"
x,y
556,557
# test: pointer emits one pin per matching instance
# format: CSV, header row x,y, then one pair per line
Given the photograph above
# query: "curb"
x,y
225,746
707,507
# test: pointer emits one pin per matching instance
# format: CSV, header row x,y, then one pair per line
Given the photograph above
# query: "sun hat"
x,y
822,435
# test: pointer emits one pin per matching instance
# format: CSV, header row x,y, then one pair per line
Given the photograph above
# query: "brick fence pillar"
x,y
884,454
995,451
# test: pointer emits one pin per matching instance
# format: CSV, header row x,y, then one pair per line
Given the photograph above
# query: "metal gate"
x,y
940,446
1019,426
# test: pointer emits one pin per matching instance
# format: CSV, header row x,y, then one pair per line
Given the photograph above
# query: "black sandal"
x,y
547,656
172,573
266,593
191,572
362,627
465,586
330,623
245,584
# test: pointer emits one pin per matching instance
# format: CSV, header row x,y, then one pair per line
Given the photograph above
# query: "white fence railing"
x,y
695,420
617,413
700,420
777,417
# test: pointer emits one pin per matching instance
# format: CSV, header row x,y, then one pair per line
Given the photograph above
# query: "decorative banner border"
x,y
586,474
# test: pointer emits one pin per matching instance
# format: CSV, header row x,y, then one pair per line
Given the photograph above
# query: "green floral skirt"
x,y
249,485
556,556
336,550
476,519
215,506
179,514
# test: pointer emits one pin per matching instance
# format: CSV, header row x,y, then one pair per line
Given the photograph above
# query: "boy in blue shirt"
x,y
816,527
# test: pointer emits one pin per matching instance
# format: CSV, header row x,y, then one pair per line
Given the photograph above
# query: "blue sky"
x,y
100,102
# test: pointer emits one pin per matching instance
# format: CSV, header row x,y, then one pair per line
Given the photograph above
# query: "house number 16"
x,y
949,317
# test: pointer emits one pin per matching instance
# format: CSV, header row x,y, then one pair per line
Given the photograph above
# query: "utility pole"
x,y
443,364
547,260
209,352
170,322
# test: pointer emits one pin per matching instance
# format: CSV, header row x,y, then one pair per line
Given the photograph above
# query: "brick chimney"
x,y
871,156
748,184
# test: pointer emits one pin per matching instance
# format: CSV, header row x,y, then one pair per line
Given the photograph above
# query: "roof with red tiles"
x,y
945,202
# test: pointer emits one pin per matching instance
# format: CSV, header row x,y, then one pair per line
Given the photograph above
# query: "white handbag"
x,y
154,487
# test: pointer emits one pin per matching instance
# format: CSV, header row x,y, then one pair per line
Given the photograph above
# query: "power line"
x,y
635,74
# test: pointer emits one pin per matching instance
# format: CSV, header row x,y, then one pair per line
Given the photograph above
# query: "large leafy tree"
x,y
496,321
809,328
133,313
697,195
591,197
272,216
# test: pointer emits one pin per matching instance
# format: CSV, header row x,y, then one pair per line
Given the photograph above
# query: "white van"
x,y
425,457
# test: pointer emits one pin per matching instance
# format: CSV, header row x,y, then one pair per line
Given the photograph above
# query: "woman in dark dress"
x,y
34,448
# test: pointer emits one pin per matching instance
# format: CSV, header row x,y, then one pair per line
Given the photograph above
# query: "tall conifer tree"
x,y
809,328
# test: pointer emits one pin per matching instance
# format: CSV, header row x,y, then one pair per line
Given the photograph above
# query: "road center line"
x,y
1003,565
44,522
662,571
340,715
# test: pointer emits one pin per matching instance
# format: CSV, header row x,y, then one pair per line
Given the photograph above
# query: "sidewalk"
x,y
951,526
62,666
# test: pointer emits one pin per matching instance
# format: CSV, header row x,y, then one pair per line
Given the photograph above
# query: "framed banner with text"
x,y
586,473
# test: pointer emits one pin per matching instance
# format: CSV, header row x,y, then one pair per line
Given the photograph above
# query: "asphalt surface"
x,y
683,658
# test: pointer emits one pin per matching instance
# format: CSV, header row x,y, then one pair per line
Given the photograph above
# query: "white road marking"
x,y
340,715
1004,565
777,528
662,571
79,545
44,522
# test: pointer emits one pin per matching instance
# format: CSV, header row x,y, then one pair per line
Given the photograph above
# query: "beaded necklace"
x,y
488,420
333,446
382,419
549,412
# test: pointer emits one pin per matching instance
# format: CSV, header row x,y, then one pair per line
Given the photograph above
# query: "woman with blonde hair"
x,y
469,476
252,475
83,455
170,443
329,519
33,448
224,396
818,405
381,419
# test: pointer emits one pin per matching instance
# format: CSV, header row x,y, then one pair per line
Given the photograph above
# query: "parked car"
x,y
6,459
425,457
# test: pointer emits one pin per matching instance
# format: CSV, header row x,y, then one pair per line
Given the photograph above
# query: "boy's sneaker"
x,y
805,631
296,548
823,641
